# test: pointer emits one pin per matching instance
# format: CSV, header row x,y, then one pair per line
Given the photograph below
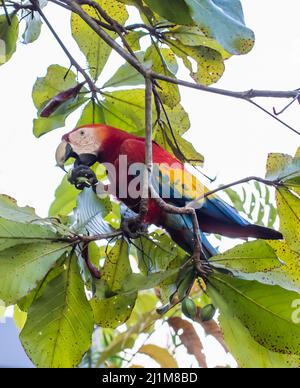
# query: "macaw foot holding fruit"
x,y
125,154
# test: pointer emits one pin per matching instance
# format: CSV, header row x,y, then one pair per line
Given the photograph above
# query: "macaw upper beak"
x,y
63,153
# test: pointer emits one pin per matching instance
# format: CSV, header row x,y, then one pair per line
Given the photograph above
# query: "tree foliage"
x,y
45,264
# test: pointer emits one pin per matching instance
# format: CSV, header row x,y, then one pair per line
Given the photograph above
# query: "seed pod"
x,y
189,308
207,313
59,99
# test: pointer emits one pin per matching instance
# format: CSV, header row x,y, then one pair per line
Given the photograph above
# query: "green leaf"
x,y
139,282
194,36
156,252
223,21
288,276
111,311
57,79
127,75
90,213
19,317
266,311
164,62
16,233
65,199
125,109
251,257
175,11
251,354
59,326
133,38
33,27
10,210
173,142
23,266
117,266
289,213
8,37
210,65
93,47
91,114
285,168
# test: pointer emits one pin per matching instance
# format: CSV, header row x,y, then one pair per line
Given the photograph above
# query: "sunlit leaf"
x,y
160,355
93,47
8,37
289,213
59,326
266,311
247,352
223,21
23,266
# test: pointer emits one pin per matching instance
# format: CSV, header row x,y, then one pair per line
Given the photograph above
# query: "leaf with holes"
x,y
59,326
24,266
289,213
223,21
163,61
266,311
93,47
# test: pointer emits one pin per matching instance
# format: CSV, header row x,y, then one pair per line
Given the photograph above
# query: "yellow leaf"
x,y
160,355
19,317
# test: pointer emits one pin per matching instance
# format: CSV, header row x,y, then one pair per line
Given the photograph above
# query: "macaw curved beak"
x,y
65,151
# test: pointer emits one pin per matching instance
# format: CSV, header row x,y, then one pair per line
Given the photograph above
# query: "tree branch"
x,y
66,51
236,183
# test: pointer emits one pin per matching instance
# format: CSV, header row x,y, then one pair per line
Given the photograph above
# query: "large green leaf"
x,y
164,62
92,46
16,233
247,352
57,80
255,256
173,142
289,212
23,266
111,310
125,109
60,323
194,36
117,266
288,275
266,311
284,168
65,199
127,75
210,65
224,21
175,11
91,114
8,37
10,210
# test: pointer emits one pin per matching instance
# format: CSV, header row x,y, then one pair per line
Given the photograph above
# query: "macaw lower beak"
x,y
65,151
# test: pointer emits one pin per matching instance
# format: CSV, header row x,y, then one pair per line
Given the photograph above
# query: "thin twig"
x,y
66,51
236,183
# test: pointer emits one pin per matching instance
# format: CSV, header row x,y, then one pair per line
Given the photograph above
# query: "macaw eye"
x,y
81,133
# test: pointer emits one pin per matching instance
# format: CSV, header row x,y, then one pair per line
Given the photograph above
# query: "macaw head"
x,y
82,143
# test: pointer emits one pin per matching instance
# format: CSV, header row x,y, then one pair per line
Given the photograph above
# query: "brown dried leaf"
x,y
189,338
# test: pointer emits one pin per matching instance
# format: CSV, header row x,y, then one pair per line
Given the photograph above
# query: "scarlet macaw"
x,y
92,143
